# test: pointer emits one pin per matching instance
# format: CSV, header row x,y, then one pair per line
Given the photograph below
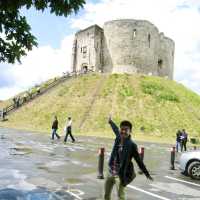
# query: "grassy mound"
x,y
156,106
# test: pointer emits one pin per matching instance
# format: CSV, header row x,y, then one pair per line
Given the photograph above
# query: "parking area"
x,y
34,167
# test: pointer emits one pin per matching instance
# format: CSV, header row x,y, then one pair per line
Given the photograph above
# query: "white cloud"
x,y
39,65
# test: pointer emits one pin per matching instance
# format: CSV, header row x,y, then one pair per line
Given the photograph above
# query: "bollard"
x,y
195,148
172,158
101,163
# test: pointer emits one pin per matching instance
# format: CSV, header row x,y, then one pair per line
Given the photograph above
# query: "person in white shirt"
x,y
68,130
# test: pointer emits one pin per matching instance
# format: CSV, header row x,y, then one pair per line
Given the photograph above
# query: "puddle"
x,y
14,180
76,162
73,181
37,194
20,150
55,164
2,137
45,183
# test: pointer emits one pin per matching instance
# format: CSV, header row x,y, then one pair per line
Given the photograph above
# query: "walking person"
x,y
121,170
178,140
68,130
55,128
184,139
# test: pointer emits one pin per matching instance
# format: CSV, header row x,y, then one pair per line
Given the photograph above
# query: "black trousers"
x,y
184,145
69,132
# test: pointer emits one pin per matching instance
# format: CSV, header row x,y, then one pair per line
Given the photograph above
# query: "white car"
x,y
190,164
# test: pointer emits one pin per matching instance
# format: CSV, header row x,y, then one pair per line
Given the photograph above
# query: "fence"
x,y
18,102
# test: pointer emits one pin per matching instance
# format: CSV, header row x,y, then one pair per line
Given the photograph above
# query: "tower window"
x,y
149,40
84,51
160,63
134,33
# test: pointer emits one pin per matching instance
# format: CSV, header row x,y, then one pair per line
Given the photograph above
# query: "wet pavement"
x,y
34,167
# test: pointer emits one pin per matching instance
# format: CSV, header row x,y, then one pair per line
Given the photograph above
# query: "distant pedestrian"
x,y
178,140
38,90
55,128
25,97
184,139
2,114
18,101
68,130
121,169
14,102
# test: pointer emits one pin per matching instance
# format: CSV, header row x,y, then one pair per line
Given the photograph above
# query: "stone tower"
x,y
124,46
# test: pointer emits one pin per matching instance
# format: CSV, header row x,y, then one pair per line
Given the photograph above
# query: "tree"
x,y
15,33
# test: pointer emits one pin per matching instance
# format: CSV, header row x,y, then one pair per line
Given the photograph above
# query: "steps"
x,y
94,97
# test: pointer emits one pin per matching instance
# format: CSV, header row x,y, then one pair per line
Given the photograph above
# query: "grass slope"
x,y
156,106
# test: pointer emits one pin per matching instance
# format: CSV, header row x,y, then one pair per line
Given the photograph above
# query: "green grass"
x,y
156,106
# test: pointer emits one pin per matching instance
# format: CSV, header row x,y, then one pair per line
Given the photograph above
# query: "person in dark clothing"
x,y
2,114
14,102
55,128
184,139
121,170
68,130
178,140
18,101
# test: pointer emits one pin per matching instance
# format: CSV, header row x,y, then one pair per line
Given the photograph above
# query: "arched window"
x,y
160,64
134,33
149,40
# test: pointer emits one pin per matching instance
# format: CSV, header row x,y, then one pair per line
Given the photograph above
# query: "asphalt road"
x,y
34,167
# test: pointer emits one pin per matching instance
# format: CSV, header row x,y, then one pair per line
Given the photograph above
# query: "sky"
x,y
178,19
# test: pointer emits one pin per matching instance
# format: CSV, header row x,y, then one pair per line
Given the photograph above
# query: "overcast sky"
x,y
178,19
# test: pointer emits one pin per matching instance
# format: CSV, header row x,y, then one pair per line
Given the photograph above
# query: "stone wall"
x,y
87,49
124,46
166,57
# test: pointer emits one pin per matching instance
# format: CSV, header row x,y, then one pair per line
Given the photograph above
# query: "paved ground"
x,y
33,167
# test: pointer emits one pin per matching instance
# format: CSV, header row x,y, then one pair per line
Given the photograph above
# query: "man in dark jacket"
x,y
55,128
184,139
121,169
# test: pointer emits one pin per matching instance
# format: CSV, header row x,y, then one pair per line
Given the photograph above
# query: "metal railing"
x,y
21,100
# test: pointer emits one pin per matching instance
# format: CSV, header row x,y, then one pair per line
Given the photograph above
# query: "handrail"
x,y
23,100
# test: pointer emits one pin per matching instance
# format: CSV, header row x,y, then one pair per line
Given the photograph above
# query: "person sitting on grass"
x,y
121,170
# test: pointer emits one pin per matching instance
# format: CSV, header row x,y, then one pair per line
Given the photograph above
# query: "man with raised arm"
x,y
121,170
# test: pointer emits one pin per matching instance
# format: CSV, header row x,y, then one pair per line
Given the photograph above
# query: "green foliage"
x,y
15,36
155,113
158,91
147,127
126,91
63,90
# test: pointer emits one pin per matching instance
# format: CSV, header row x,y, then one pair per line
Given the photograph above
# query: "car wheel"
x,y
194,170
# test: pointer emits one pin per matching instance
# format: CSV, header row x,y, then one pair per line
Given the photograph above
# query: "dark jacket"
x,y
55,124
130,150
178,136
